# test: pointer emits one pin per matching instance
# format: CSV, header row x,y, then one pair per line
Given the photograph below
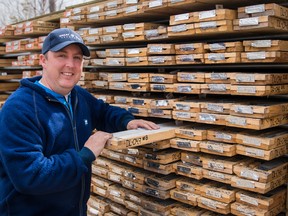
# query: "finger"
x,y
150,125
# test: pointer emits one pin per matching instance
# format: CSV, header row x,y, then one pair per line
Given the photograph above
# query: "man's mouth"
x,y
67,74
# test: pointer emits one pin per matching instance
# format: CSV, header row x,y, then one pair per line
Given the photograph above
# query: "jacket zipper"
x,y
77,148
76,145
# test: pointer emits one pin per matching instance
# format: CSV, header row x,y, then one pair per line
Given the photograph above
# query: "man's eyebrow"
x,y
64,51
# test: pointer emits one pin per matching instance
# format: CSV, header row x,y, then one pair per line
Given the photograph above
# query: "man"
x,y
46,146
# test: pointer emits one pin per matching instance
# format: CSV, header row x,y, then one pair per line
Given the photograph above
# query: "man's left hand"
x,y
140,123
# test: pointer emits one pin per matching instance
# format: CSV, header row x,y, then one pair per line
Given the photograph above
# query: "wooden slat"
x,y
263,10
9,86
10,76
138,137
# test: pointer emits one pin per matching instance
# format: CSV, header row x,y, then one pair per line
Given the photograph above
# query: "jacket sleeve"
x,y
22,154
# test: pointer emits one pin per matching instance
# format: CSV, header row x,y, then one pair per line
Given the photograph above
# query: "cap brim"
x,y
83,47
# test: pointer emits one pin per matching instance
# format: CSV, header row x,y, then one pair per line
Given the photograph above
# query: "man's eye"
x,y
78,57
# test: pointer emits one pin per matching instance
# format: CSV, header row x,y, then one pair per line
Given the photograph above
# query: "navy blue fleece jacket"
x,y
44,169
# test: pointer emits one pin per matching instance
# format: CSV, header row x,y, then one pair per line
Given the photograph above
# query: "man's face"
x,y
62,69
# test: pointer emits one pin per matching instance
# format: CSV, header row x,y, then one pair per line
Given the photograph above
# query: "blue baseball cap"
x,y
60,38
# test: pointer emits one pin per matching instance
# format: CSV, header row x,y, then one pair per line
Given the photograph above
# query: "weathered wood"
x,y
117,53
215,88
137,137
214,15
217,77
164,169
217,176
155,34
162,182
184,115
188,105
99,84
164,156
264,23
263,56
224,47
258,187
115,61
35,30
113,155
181,30
184,196
137,61
218,148
6,62
99,203
265,45
9,86
138,77
140,26
263,10
265,139
142,87
134,35
213,205
138,111
189,48
116,77
161,60
258,78
162,78
220,164
162,87
163,103
209,118
242,209
163,144
223,134
185,144
214,58
139,102
260,153
267,201
132,185
160,7
197,77
160,113
191,185
188,170
212,27
256,124
6,76
158,205
193,131
182,18
160,49
187,88
219,192
187,210
262,90
190,59
258,109
136,52
111,38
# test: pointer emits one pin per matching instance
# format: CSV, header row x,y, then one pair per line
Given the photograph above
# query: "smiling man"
x,y
46,146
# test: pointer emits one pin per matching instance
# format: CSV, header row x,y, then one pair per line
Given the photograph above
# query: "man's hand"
x,y
140,123
97,141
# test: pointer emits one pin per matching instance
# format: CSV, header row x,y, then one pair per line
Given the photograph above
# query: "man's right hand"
x,y
97,141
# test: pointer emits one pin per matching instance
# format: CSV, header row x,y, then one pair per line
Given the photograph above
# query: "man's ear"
x,y
43,60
